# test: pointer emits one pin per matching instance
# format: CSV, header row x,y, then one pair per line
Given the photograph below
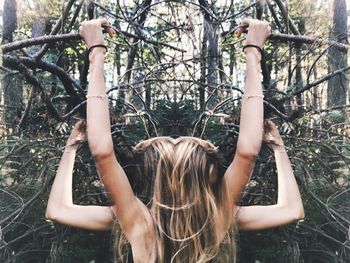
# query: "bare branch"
x,y
287,18
307,40
55,29
38,41
68,82
319,81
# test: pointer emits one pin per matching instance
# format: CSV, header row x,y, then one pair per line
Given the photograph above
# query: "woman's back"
x,y
190,211
143,239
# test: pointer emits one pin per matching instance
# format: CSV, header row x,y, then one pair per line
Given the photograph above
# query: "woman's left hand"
x,y
78,133
272,135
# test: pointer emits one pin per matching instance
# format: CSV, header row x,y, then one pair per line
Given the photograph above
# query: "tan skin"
x,y
60,206
134,217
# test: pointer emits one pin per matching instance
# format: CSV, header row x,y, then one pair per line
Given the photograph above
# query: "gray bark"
x,y
11,88
204,49
298,69
211,34
337,59
134,46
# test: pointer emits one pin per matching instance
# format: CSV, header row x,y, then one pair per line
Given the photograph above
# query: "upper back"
x,y
189,213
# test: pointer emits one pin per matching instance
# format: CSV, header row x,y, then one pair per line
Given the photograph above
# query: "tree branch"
x,y
74,36
307,40
34,81
319,81
287,18
55,29
38,41
68,82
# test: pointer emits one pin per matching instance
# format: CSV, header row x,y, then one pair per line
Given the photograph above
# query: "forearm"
x,y
60,207
98,123
251,121
289,207
288,191
61,191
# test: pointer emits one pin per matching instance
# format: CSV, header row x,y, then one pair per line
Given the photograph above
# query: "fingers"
x,y
271,123
240,29
99,22
80,125
267,127
250,22
110,30
238,32
247,21
268,122
102,21
243,26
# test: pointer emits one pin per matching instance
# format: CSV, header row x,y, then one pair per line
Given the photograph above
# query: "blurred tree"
x,y
338,87
12,87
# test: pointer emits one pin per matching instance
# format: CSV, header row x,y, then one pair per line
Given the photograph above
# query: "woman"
x,y
193,205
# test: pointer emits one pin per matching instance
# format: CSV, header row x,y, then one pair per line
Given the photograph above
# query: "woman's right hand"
x,y
91,31
258,31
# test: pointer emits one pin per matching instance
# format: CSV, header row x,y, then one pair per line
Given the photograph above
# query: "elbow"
x,y
51,213
248,149
300,214
248,154
101,154
297,214
101,150
56,212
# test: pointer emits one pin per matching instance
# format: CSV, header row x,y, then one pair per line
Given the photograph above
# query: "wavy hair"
x,y
189,193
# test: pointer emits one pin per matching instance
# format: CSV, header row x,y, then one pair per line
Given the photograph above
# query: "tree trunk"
x,y
31,99
134,46
210,33
212,60
298,68
203,70
12,90
39,29
338,85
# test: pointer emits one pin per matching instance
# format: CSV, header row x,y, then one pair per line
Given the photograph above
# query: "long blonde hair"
x,y
189,191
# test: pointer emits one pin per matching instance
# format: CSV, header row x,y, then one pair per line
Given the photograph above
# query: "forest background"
x,y
174,68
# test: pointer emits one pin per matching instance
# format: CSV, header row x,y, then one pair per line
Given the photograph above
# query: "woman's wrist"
x,y
252,53
97,54
279,147
71,145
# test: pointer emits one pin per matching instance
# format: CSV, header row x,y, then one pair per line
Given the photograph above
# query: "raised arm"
x,y
60,207
126,206
251,121
289,207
